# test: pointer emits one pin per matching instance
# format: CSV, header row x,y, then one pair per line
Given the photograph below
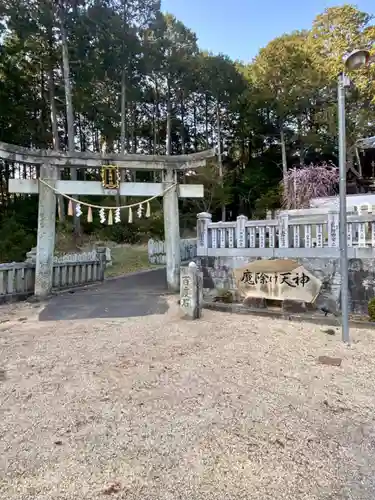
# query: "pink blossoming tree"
x,y
307,182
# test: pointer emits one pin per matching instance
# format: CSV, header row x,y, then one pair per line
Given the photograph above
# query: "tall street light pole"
x,y
353,61
343,217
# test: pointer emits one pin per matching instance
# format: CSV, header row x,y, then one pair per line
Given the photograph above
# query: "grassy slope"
x,y
128,259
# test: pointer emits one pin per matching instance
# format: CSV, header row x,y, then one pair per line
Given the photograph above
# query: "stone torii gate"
x,y
50,162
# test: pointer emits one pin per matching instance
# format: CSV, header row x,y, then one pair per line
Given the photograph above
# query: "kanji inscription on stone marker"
x,y
186,291
289,278
277,279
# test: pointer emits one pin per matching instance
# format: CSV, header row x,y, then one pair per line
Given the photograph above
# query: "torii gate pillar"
x,y
46,233
172,231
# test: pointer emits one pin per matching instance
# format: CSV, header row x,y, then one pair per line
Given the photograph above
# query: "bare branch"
x,y
307,182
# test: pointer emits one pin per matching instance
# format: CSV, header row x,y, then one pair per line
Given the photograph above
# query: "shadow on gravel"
x,y
137,295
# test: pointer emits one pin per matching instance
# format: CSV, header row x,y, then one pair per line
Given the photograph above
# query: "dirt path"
x,y
155,408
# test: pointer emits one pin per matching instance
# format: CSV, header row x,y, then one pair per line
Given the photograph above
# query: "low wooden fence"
x,y
71,274
157,255
17,279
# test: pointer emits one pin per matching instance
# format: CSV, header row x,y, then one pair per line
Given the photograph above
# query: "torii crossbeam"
x,y
51,162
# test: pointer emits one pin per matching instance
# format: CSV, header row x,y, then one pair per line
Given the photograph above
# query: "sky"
x,y
239,28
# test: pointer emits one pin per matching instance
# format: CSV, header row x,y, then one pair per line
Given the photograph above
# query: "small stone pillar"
x,y
204,219
46,233
31,256
101,253
191,291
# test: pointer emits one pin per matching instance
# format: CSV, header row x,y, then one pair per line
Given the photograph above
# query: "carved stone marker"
x,y
191,291
277,279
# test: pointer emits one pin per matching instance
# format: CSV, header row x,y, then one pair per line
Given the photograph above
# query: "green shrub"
x,y
121,233
153,227
270,200
371,309
15,241
224,296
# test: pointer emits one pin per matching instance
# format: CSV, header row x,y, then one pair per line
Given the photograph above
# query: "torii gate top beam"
x,y
95,160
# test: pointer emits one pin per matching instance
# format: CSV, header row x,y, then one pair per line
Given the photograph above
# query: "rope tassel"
x,y
102,215
70,208
110,218
140,210
148,210
89,215
130,218
117,215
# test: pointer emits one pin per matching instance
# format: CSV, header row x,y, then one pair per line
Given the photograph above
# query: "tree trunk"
x,y
124,146
182,127
69,104
121,200
156,124
168,141
301,142
157,132
82,146
55,138
54,127
206,132
284,162
43,118
134,127
96,143
67,84
219,157
195,137
154,128
123,112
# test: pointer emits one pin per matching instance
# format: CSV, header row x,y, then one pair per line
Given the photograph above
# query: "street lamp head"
x,y
356,59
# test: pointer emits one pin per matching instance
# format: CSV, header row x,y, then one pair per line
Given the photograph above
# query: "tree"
x,y
286,78
308,182
135,80
335,33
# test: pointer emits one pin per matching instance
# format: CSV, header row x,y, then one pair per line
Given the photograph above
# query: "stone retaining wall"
x,y
218,275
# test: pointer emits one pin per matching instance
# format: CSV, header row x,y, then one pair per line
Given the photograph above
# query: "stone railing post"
x,y
204,219
283,231
191,291
333,228
101,253
241,231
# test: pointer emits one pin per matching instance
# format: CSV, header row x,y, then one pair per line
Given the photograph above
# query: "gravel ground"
x,y
228,407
